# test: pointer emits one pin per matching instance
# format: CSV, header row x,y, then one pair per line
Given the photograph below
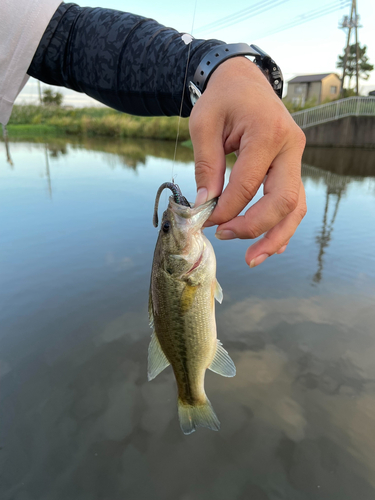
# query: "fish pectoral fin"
x,y
222,362
150,311
157,360
218,292
193,416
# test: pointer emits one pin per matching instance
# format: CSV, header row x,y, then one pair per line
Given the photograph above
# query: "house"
x,y
321,88
372,93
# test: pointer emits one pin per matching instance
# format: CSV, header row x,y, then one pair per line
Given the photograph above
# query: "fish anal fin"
x,y
157,360
197,416
222,362
218,292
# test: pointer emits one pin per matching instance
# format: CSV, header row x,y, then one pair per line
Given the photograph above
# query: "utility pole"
x,y
356,49
346,23
349,23
40,93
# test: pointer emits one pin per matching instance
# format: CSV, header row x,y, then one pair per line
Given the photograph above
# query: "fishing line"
x,y
183,89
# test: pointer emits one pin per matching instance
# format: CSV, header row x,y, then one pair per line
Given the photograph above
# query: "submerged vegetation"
x,y
31,120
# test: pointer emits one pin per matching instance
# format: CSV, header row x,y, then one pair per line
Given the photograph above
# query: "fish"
x,y
183,290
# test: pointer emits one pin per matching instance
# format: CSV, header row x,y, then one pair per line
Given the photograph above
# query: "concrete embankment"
x,y
351,131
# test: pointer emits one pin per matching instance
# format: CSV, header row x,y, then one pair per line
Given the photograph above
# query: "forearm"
x,y
125,61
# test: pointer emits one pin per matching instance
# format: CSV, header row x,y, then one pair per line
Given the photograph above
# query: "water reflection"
x,y
78,417
337,168
48,175
319,393
353,162
348,162
6,143
323,239
335,187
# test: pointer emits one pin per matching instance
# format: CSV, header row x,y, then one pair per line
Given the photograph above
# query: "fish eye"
x,y
166,226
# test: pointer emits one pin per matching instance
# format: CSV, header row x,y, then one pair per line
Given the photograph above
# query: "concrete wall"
x,y
352,131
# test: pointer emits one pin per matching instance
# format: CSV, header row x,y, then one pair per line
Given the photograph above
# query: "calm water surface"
x,y
79,420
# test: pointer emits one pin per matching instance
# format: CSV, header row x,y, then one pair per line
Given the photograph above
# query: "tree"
x,y
51,98
364,67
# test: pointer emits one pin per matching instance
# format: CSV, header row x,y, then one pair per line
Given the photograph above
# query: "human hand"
x,y
239,112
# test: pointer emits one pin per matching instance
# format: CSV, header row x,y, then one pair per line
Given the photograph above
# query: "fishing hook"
x,y
177,197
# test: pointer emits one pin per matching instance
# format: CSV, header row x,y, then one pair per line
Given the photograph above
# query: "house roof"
x,y
309,78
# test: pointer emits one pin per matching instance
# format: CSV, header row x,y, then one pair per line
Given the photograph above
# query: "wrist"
x,y
237,67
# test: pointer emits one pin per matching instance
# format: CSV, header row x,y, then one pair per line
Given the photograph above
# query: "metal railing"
x,y
351,106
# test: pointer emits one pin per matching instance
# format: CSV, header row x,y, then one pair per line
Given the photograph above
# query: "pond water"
x,y
79,419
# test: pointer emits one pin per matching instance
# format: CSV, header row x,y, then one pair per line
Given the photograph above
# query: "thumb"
x,y
209,157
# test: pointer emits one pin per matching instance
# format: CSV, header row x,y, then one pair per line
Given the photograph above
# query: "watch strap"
x,y
221,53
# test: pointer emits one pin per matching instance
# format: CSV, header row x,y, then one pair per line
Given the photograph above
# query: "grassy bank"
x,y
51,121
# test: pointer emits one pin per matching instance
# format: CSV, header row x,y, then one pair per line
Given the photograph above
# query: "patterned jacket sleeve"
x,y
125,61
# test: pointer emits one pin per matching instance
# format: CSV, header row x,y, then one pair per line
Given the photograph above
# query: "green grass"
x,y
49,120
25,131
187,144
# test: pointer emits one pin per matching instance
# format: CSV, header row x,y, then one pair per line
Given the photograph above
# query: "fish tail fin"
x,y
198,415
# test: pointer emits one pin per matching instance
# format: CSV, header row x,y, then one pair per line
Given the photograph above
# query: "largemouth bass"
x,y
182,308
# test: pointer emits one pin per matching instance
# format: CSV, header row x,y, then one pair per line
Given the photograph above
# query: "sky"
x,y
303,48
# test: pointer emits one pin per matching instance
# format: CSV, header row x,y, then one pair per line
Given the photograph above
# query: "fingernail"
x,y
201,198
225,234
258,260
282,249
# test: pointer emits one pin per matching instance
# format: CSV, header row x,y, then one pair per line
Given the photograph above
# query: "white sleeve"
x,y
22,24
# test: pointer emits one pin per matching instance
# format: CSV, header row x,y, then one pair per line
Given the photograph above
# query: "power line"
x,y
309,16
241,15
235,15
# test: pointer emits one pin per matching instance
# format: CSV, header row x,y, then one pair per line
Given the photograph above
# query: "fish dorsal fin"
x,y
150,311
222,362
218,293
157,360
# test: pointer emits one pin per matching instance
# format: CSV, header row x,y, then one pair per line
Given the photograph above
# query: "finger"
x,y
282,249
281,194
279,236
207,138
245,179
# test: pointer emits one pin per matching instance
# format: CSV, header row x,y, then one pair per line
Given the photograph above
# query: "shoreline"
x,y
51,121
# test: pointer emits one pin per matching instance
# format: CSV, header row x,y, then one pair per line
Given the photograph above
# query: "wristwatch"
x,y
221,53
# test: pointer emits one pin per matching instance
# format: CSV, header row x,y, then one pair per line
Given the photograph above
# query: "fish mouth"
x,y
197,263
197,216
188,212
